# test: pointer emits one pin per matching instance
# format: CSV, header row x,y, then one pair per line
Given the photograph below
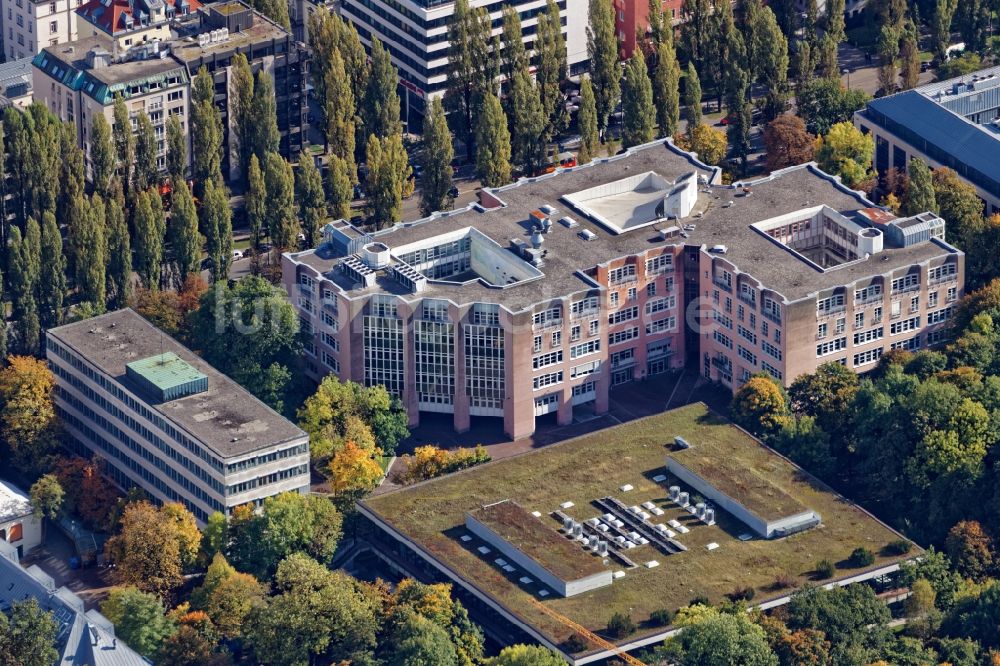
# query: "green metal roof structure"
x,y
167,377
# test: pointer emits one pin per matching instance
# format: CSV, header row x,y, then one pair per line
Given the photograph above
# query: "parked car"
x,y
453,192
237,255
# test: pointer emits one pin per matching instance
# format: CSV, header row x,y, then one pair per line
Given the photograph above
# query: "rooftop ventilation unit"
x,y
548,210
569,223
587,235
537,239
375,256
670,232
869,241
719,249
681,443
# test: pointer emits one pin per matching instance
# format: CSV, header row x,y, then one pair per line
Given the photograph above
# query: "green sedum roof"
x,y
167,377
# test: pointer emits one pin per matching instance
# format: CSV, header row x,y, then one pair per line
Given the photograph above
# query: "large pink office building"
x,y
555,290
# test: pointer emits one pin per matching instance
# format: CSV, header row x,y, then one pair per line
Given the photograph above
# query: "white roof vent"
x,y
587,235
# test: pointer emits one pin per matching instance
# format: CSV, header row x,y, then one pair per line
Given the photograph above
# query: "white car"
x,y
237,255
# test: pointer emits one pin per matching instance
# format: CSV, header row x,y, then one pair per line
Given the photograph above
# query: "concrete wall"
x,y
31,533
566,588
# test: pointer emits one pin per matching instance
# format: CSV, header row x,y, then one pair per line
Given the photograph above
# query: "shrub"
x,y
824,569
429,461
742,594
861,557
620,625
783,582
575,643
898,547
660,617
700,600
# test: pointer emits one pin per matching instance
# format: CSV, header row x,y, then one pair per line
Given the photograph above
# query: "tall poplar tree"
x,y
282,223
435,181
602,47
493,144
311,198
241,107
71,172
146,170
264,117
341,121
255,205
176,149
102,155
388,171
216,218
692,98
513,55
551,70
637,103
52,278
380,107
119,272
527,124
666,88
90,241
586,121
920,196
24,261
772,63
124,144
149,235
206,131
470,74
341,188
183,238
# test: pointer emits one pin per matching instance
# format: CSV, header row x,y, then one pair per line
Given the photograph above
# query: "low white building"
x,y
18,525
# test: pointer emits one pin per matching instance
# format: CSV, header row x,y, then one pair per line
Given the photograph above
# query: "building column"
x,y
461,417
565,413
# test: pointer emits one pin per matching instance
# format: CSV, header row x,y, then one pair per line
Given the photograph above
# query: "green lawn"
x,y
595,465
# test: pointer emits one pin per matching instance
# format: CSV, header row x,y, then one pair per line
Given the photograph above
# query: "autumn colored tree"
x,y
787,142
971,550
146,551
228,596
760,405
47,497
847,152
709,142
27,414
353,470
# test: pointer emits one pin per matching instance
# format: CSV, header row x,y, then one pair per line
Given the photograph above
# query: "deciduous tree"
x,y
28,637
760,405
380,106
47,497
119,271
787,142
847,152
551,71
692,98
102,155
341,189
146,551
146,170
666,86
206,130
388,176
493,150
602,48
637,103
183,238
150,229
435,181
527,123
139,618
216,220
920,192
177,155
228,596
311,199
586,120
471,70
282,223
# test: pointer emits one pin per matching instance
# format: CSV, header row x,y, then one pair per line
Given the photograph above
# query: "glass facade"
x,y
383,342
484,369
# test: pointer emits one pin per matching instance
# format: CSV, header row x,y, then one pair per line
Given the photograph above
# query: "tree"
x,y
89,239
25,264
586,121
228,596
47,497
470,70
421,641
709,143
189,647
276,10
847,152
513,56
853,618
888,54
666,87
493,151
637,103
976,617
958,203
102,155
527,124
971,550
526,655
249,332
119,272
910,56
241,109
920,193
822,103
216,220
602,49
353,470
150,229
787,142
146,169
206,130
973,20
124,143
740,110
341,189
760,405
27,413
805,646
312,200
146,551
139,618
282,223
944,12
316,613
388,175
182,235
28,636
725,640
380,106
185,529
551,71
772,61
176,149
256,202
692,99
341,121
264,117
435,181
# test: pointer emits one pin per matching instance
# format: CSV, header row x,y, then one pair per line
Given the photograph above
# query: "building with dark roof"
x,y
555,289
15,83
953,123
167,421
83,637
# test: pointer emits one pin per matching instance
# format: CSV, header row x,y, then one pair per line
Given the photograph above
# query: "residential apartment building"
x,y
19,526
632,19
31,25
80,80
555,290
166,421
15,84
416,34
953,123
151,64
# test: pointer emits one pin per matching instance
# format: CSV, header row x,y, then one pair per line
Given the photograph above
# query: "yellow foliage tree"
x,y
760,405
26,386
709,143
147,551
188,535
354,470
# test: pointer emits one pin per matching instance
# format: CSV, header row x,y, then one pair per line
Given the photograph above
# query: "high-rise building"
x,y
554,290
165,420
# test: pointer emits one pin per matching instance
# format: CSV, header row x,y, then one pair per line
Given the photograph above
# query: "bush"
x,y
620,625
862,557
742,594
898,547
824,569
429,461
783,582
575,643
700,600
660,617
